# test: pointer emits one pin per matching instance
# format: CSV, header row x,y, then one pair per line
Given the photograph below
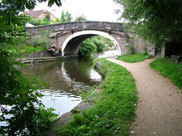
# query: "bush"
x,y
19,104
131,49
99,44
42,40
87,48
38,22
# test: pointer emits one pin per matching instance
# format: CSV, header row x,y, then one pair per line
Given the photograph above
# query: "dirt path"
x,y
159,110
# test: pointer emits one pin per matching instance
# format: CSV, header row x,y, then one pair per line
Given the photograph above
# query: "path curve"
x,y
159,110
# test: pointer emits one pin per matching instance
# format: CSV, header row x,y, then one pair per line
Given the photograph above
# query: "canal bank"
x,y
96,105
113,108
65,78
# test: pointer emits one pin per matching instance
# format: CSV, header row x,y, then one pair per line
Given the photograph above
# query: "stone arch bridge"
x,y
68,36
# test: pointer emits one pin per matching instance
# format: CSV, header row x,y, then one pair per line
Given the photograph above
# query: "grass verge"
x,y
171,70
133,58
114,106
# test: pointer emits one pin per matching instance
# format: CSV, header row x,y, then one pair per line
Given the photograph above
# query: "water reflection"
x,y
61,102
64,81
82,71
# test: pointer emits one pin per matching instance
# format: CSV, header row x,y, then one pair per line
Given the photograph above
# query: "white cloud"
x,y
93,10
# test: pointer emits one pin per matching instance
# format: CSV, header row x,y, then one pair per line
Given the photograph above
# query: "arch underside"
x,y
71,44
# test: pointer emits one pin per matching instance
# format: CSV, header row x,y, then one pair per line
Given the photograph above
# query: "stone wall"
x,y
143,47
59,33
40,54
76,26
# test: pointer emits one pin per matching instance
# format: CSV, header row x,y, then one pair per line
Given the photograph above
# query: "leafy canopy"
x,y
65,17
154,20
11,24
81,18
20,107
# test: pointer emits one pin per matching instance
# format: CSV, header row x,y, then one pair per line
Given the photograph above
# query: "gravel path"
x,y
159,110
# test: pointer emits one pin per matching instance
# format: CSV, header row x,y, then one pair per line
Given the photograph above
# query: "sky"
x,y
93,10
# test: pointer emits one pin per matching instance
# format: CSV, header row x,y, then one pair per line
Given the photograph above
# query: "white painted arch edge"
x,y
90,32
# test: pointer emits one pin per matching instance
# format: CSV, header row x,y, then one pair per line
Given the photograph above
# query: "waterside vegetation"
x,y
114,107
169,69
21,109
133,58
96,44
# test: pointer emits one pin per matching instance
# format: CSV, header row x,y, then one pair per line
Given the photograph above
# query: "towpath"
x,y
159,110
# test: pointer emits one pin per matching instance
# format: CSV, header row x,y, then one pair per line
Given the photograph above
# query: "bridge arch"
x,y
71,44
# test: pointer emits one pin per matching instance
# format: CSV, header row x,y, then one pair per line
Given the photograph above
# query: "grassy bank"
x,y
114,106
133,58
171,70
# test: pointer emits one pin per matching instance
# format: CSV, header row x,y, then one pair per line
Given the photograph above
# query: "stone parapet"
x,y
76,26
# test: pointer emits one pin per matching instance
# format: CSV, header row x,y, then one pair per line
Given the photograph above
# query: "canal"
x,y
65,80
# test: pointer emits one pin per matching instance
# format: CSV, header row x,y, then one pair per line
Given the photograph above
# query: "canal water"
x,y
65,80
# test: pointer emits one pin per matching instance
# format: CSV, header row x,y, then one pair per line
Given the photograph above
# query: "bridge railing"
x,y
76,26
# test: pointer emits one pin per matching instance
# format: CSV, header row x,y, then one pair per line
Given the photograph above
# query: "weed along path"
x,y
159,110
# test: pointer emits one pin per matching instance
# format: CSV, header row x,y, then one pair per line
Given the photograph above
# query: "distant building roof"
x,y
35,13
39,14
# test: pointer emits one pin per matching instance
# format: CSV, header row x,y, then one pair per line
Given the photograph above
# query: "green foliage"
x,y
114,106
11,32
42,40
131,49
171,70
56,21
100,43
133,57
38,21
108,43
20,50
19,99
47,18
158,21
19,104
97,44
81,18
65,17
86,48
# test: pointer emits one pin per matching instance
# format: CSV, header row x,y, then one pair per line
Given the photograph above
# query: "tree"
x,y
56,21
81,18
47,18
158,21
95,44
65,17
38,21
100,43
18,95
11,23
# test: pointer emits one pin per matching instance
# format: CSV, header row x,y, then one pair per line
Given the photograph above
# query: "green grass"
x,y
114,106
133,58
171,70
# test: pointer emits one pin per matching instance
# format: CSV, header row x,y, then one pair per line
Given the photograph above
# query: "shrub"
x,y
20,107
42,40
87,48
99,44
